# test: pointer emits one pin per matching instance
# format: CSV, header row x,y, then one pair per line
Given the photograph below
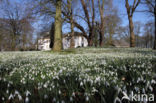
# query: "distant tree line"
x,y
15,27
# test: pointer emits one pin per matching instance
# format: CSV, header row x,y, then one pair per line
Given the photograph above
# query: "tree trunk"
x,y
110,38
58,27
72,43
101,9
13,42
70,9
154,47
90,40
132,36
52,35
101,43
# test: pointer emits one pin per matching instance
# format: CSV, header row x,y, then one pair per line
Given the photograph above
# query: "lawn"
x,y
82,75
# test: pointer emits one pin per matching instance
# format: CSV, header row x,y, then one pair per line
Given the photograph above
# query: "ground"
x,y
82,75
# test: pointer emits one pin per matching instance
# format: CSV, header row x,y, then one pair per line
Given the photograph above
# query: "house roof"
x,y
75,34
47,36
121,43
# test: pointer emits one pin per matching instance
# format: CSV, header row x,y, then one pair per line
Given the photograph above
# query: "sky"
x,y
141,17
138,16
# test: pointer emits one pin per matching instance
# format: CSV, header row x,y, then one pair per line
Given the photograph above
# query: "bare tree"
x,y
130,11
18,20
101,32
90,22
112,22
52,30
89,18
70,12
148,34
151,9
137,31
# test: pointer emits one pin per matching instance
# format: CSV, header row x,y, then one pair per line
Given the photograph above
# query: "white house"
x,y
79,39
43,43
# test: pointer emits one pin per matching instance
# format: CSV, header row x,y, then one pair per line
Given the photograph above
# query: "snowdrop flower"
x,y
81,84
7,91
136,88
153,81
94,90
45,85
8,85
27,93
19,97
11,96
87,98
27,100
3,98
97,79
71,99
150,87
16,92
73,94
62,101
60,71
59,92
45,96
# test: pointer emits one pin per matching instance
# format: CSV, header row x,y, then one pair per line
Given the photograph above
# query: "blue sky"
x,y
138,16
120,4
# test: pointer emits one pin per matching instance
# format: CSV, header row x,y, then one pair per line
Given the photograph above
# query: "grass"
x,y
67,51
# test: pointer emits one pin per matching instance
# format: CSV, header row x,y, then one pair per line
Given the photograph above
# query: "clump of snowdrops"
x,y
89,75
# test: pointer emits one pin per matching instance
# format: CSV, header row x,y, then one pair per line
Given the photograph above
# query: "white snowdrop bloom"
x,y
138,80
8,84
64,81
151,88
7,91
94,90
60,71
45,96
62,101
26,100
27,93
71,99
142,65
45,85
43,76
153,81
3,98
97,79
32,78
84,81
59,92
19,97
81,84
11,96
54,99
16,92
143,90
87,98
136,88
73,94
